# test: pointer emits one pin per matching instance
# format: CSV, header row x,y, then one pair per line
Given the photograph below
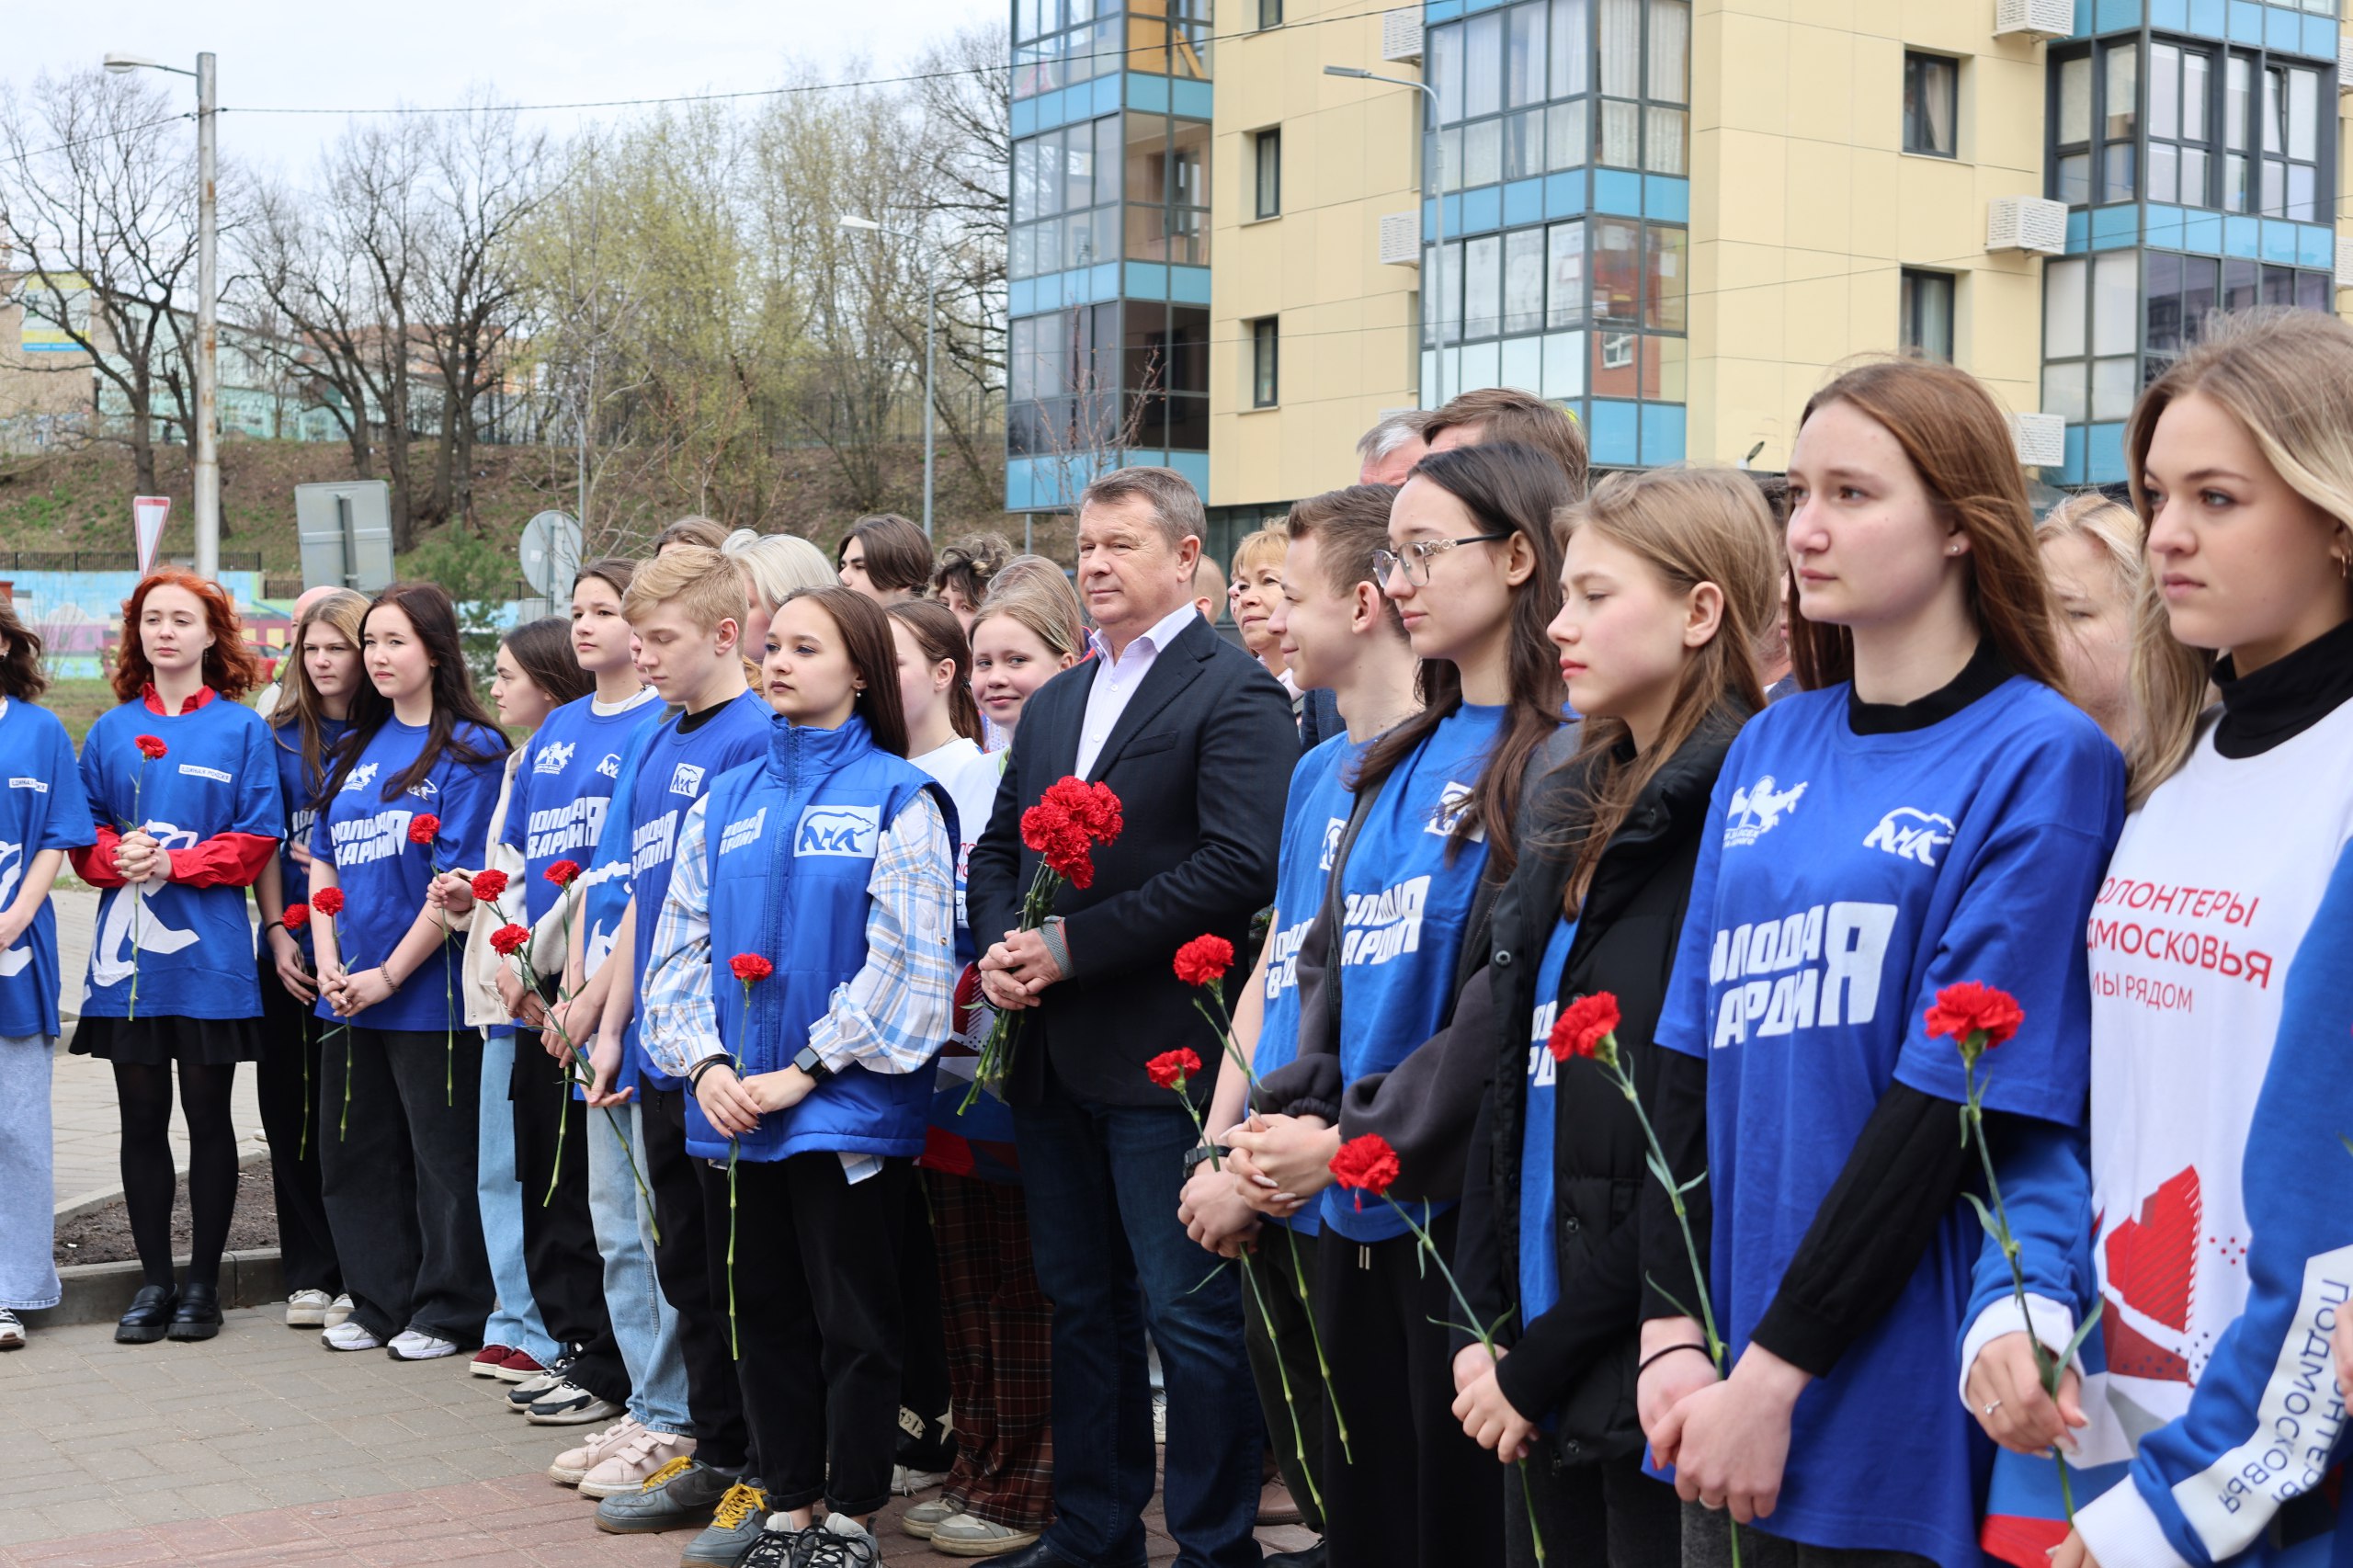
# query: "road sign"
x,y
147,515
549,550
345,531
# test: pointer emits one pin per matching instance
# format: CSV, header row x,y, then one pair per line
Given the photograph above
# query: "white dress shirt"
x,y
1116,681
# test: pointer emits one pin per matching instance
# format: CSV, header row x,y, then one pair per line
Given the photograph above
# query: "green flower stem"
x,y
575,1074
990,1069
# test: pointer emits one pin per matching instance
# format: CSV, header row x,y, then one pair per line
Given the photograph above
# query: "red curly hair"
x,y
230,668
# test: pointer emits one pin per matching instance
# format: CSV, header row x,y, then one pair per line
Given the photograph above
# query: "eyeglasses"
x,y
1415,558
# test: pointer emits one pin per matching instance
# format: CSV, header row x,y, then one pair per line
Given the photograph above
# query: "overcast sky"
x,y
273,53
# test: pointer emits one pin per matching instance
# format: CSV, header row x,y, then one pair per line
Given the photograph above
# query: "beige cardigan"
x,y
480,968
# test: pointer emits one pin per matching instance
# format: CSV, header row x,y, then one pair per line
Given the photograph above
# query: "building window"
x,y
2182,125
1266,155
1066,199
2290,144
1266,347
1513,87
1270,14
1924,307
1931,105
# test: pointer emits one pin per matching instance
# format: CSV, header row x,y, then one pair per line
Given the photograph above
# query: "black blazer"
x,y
1201,760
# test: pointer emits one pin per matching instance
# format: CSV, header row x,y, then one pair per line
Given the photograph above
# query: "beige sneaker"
x,y
572,1465
308,1308
964,1536
627,1466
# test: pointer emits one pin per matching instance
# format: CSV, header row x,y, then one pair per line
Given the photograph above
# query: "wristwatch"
x,y
809,1061
1200,1152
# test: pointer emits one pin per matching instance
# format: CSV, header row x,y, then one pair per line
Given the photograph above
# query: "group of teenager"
x,y
686,1140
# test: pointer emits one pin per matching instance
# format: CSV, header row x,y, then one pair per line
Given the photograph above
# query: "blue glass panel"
x,y
2108,15
2242,236
2320,37
2316,246
1193,99
1195,467
2079,231
1565,194
1618,191
1482,210
2103,454
2071,468
1666,197
1523,202
1107,96
1480,4
1453,219
2169,14
1147,281
2202,232
1613,435
2162,227
2083,17
1440,11
1106,284
2278,240
2283,30
1190,285
1018,295
1149,94
2115,226
1017,484
1662,434
2206,18
1025,116
2247,22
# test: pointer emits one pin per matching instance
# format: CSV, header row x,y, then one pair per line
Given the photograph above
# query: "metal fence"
x,y
112,561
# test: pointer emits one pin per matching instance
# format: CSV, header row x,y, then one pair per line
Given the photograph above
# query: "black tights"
x,y
145,1094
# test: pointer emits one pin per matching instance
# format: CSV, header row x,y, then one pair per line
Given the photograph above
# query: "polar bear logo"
x,y
838,830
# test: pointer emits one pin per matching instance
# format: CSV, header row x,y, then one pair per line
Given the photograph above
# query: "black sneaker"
x,y
779,1546
530,1390
839,1543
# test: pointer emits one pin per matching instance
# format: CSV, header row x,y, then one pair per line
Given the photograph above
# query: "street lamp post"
x,y
207,465
930,336
1430,285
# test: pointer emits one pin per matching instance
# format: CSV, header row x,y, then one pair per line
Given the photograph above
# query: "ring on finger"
x,y
1991,1408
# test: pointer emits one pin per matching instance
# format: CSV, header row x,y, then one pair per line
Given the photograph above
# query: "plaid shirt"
x,y
888,1018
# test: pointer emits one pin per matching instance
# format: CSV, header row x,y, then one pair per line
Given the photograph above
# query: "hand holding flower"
x,y
1289,1160
1730,1442
1487,1417
726,1103
2006,1396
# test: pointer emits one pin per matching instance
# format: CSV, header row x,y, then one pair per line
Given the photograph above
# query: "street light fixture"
x,y
207,465
1429,285
930,321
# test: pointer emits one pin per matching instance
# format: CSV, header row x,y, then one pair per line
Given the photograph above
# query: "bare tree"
x,y
964,103
297,271
377,215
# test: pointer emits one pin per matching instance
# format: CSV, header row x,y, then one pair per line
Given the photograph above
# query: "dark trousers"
x,y
1000,1352
816,1276
399,1182
923,1351
1102,1183
1706,1543
688,1261
1281,1262
567,1272
1593,1516
286,1086
1417,1492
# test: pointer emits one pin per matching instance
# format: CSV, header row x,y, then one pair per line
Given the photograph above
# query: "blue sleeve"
x,y
468,797
2045,1172
2266,1417
94,773
261,809
1683,1020
67,823
515,831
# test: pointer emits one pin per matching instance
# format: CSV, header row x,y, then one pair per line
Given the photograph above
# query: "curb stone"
x,y
100,1292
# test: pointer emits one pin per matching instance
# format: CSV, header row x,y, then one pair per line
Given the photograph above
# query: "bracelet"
x,y
1660,1355
274,925
694,1076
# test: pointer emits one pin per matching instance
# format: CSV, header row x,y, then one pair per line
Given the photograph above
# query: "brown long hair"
x,y
543,650
942,636
229,668
866,637
1958,442
435,619
301,707
1689,526
22,677
1506,487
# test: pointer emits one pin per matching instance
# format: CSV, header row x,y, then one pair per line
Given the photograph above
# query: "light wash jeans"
x,y
644,1323
515,1320
27,1178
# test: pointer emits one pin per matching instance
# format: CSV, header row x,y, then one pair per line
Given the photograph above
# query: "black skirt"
x,y
160,1038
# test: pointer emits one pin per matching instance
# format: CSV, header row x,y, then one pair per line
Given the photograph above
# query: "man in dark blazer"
x,y
1198,744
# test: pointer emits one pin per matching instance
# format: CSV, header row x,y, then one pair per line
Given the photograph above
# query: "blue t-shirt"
x,y
556,809
1539,1259
674,771
1315,813
1854,877
383,876
1406,894
298,793
194,945
42,808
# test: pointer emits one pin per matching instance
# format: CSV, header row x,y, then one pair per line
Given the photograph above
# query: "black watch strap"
x,y
1196,1155
809,1061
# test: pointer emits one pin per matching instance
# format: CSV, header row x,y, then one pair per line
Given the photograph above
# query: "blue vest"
x,y
789,845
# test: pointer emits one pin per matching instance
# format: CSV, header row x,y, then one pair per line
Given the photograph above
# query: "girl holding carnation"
x,y
411,793
184,792
811,1063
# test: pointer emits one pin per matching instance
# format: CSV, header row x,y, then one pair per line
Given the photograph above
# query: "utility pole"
x,y
1429,285
930,336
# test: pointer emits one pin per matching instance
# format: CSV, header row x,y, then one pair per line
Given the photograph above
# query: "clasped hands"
x,y
1015,970
734,1106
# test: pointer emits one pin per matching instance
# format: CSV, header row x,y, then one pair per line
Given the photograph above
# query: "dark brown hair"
x,y
229,668
969,563
1507,414
22,678
613,570
688,531
942,636
897,555
865,638
1506,487
435,619
1957,439
543,650
1348,526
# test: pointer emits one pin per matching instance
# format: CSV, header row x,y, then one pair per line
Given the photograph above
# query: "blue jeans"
x,y
644,1323
514,1321
28,1181
1102,1183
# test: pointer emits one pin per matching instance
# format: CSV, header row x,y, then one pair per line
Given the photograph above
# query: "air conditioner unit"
x,y
2034,18
1401,33
2345,264
2041,440
2345,63
2026,222
1401,239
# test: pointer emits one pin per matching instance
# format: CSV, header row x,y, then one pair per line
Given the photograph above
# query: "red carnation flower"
x,y
328,901
488,885
150,746
1171,1068
424,828
1093,807
1584,1024
1968,1009
1204,960
509,939
297,915
1366,1164
1045,823
562,872
749,967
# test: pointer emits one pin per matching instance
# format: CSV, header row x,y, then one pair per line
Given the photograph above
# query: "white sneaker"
x,y
907,1482
11,1331
575,1462
411,1346
307,1309
349,1335
339,1310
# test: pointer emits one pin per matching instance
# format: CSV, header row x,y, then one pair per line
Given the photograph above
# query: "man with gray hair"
x,y
1387,452
1197,741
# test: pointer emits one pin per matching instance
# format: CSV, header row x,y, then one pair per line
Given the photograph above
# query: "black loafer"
x,y
150,1313
199,1316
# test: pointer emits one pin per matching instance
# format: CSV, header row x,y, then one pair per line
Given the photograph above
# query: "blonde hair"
x,y
2111,527
1689,526
1267,544
2286,377
780,564
1047,604
704,582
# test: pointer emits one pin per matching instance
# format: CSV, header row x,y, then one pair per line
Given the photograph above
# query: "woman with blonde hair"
x,y
1257,583
775,567
2091,548
2241,462
1029,629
